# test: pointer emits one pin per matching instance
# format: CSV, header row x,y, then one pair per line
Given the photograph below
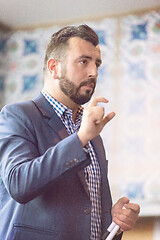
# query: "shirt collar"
x,y
60,108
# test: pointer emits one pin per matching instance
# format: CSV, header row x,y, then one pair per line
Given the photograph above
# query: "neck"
x,y
65,100
51,86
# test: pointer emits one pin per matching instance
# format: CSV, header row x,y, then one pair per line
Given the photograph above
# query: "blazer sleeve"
x,y
24,171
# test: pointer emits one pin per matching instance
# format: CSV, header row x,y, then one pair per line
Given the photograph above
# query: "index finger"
x,y
134,207
94,101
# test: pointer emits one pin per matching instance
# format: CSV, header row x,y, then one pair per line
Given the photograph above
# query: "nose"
x,y
93,71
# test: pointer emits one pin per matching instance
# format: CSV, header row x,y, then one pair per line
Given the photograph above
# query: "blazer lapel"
x,y
81,176
98,148
97,145
58,127
53,120
106,199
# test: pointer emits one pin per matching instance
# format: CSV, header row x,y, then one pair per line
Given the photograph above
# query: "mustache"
x,y
88,81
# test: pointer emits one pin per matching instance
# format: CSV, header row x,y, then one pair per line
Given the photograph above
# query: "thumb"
x,y
108,117
122,201
119,205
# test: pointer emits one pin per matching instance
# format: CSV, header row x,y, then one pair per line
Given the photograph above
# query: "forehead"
x,y
79,46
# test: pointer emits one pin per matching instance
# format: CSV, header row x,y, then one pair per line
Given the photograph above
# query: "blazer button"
x,y
76,160
67,164
87,211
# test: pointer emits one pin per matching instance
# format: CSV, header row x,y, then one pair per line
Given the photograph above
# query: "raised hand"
x,y
93,120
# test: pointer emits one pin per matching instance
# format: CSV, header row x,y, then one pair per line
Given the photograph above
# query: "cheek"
x,y
76,77
76,73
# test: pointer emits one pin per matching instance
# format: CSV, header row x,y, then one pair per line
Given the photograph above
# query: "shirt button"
x,y
87,211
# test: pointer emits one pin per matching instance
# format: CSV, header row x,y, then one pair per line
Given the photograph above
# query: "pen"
x,y
109,230
113,232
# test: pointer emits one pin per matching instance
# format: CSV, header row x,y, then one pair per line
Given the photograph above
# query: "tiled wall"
x,y
129,78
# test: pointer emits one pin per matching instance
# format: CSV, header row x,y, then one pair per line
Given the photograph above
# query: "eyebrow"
x,y
98,60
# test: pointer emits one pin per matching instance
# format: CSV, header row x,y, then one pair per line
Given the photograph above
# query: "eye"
x,y
84,61
98,64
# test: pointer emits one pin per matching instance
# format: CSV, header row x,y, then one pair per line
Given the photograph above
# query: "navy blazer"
x,y
43,192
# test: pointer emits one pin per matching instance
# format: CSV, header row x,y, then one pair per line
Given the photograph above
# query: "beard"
x,y
74,92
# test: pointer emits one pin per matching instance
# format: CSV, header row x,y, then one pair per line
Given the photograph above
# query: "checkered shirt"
x,y
92,172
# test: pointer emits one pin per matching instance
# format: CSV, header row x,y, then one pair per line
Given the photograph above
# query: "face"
x,y
80,70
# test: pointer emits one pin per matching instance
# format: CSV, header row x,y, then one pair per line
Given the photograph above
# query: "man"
x,y
53,167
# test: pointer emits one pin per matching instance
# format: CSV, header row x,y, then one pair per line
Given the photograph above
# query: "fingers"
x,y
108,117
124,222
96,100
124,203
121,203
132,206
93,120
126,218
105,119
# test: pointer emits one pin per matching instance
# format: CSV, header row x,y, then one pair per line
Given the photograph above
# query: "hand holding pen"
x,y
125,215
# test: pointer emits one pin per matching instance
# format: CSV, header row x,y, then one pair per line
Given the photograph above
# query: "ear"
x,y
52,65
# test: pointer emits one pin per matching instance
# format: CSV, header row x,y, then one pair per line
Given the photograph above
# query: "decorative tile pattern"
x,y
129,78
138,111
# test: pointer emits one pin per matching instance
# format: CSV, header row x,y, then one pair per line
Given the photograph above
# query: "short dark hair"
x,y
58,43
